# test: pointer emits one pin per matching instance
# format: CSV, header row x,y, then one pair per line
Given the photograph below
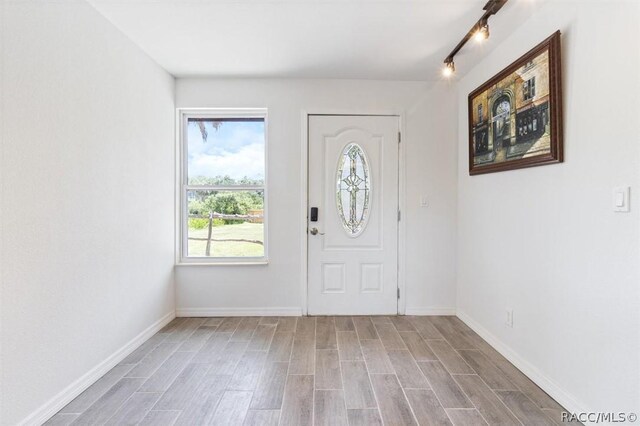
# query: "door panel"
x,y
353,181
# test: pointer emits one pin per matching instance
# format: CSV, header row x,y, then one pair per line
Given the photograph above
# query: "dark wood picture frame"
x,y
520,136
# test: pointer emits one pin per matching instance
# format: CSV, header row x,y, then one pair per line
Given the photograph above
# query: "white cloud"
x,y
247,161
235,150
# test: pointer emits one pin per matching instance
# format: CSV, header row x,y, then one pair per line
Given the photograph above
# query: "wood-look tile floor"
x,y
313,370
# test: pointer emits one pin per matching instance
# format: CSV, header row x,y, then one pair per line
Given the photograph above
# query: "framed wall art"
x,y
515,118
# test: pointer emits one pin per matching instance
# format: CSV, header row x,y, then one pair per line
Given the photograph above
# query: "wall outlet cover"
x,y
621,199
509,320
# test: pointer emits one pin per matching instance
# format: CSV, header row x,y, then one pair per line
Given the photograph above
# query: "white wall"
x,y
87,197
431,162
544,241
431,156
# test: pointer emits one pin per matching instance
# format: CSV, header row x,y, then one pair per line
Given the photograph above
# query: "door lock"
x,y
314,231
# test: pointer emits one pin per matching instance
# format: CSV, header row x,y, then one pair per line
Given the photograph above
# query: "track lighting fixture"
x,y
482,33
449,68
479,32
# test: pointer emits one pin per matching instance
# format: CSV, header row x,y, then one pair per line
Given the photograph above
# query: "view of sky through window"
x,y
234,149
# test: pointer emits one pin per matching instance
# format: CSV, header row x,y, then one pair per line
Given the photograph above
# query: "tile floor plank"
x,y
523,408
449,357
204,401
357,387
262,418
407,371
417,346
61,419
96,390
445,388
426,407
261,339
521,381
327,369
169,328
286,324
280,349
401,323
389,336
394,407
167,372
232,408
379,319
349,346
306,325
184,330
144,349
491,375
485,401
344,324
245,329
297,405
270,389
194,342
101,410
375,355
149,364
134,410
364,328
269,321
303,354
457,339
215,344
330,408
425,328
226,361
326,333
213,322
229,325
248,370
160,418
364,417
181,390
465,417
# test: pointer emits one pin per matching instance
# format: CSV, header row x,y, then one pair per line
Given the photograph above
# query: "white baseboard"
x,y
55,404
564,398
430,311
284,312
238,312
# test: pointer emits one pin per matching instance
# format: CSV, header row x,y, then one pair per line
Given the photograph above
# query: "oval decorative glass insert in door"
x,y
353,189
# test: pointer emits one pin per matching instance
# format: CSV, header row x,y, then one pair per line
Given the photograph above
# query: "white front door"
x,y
353,245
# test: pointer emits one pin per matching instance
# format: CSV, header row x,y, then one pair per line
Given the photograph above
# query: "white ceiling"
x,y
364,39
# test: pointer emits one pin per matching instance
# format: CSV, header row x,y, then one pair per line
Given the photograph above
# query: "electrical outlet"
x,y
509,321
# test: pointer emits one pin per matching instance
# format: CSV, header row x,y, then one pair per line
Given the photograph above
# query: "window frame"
x,y
183,187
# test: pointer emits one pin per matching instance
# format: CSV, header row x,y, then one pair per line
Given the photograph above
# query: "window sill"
x,y
222,263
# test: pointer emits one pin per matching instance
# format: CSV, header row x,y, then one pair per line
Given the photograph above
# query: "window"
x,y
529,89
353,189
223,186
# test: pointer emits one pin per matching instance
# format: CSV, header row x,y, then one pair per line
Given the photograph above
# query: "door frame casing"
x,y
304,198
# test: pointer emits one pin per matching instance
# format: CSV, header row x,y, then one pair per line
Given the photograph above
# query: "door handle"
x,y
314,231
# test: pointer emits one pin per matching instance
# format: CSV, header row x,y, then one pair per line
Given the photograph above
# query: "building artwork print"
x,y
515,119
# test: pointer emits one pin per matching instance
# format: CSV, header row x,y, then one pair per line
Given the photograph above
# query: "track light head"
x,y
482,33
449,68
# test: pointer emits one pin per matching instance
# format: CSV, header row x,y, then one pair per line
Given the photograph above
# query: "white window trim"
x,y
183,114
